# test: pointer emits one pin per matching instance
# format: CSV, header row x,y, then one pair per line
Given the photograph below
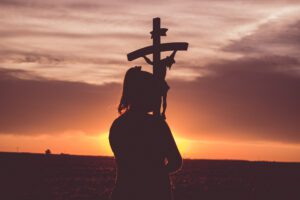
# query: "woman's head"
x,y
140,91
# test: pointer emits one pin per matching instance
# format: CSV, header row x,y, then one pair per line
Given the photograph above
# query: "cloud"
x,y
248,98
255,96
80,33
242,99
279,37
32,105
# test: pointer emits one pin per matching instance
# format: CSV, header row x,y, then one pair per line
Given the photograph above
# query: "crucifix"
x,y
159,65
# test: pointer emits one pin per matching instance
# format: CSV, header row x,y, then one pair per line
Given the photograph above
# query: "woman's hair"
x,y
139,88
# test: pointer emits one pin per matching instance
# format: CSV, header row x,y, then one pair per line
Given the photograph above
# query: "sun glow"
x,y
184,145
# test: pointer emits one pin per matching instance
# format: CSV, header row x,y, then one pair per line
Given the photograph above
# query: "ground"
x,y
65,177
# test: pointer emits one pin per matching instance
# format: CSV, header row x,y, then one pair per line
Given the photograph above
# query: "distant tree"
x,y
48,152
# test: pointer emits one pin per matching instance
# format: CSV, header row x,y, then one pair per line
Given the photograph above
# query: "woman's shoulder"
x,y
118,121
116,128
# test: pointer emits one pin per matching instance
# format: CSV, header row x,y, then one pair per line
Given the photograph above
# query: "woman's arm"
x,y
148,60
173,156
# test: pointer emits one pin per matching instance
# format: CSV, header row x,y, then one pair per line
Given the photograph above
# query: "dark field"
x,y
64,177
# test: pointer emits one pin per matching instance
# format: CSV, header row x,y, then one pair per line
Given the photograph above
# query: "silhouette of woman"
x,y
143,145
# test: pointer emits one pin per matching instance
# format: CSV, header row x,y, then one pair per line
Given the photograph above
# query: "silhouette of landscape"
x,y
69,177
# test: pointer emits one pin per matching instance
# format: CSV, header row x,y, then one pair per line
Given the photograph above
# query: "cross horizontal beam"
x,y
179,46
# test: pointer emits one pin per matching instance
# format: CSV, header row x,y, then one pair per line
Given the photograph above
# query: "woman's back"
x,y
139,143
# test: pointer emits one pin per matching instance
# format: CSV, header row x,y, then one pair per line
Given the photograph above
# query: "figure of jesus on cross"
x,y
161,75
159,65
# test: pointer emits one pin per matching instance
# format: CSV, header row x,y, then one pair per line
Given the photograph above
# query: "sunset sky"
x,y
235,94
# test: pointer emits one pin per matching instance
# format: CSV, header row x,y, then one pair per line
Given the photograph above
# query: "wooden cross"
x,y
156,49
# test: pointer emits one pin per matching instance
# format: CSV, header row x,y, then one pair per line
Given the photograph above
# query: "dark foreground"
x,y
64,177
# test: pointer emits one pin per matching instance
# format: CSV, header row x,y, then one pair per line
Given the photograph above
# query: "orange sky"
x,y
234,94
82,144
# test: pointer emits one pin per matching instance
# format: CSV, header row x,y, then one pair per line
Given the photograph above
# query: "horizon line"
x,y
195,159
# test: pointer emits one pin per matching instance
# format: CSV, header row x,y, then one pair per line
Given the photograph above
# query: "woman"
x,y
143,145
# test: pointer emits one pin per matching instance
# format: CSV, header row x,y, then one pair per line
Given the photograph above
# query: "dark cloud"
x,y
255,97
54,34
42,106
44,59
74,4
44,4
279,37
246,98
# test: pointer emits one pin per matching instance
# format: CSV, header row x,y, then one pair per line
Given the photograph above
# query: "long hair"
x,y
130,80
140,88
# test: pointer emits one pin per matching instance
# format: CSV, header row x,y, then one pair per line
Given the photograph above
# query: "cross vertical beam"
x,y
156,45
156,56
